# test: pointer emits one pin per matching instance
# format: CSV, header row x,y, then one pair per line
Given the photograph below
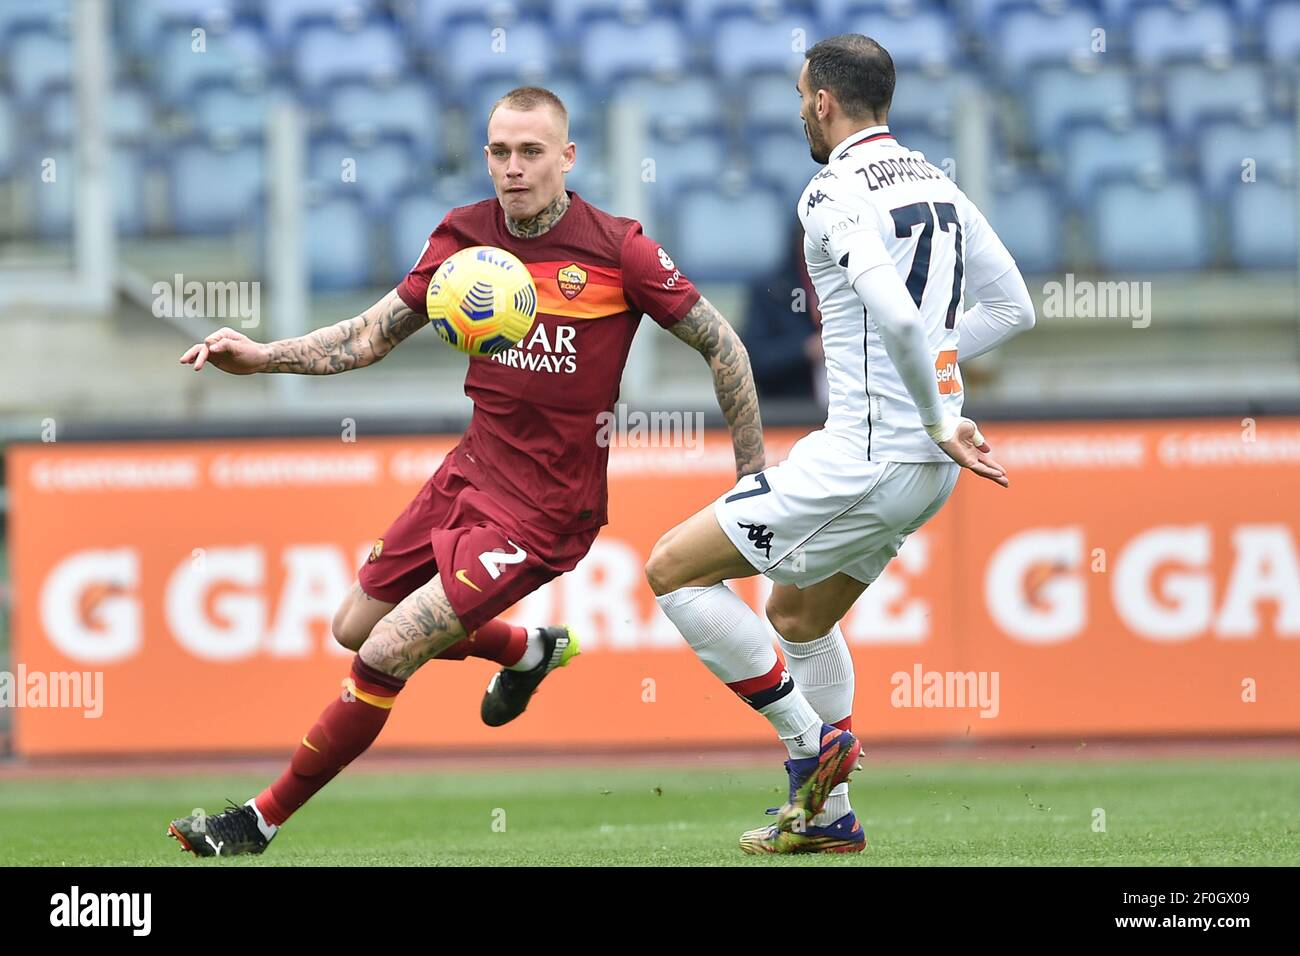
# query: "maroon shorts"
x,y
488,559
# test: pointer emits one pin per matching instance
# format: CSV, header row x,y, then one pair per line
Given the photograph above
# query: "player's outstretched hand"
x,y
968,448
229,351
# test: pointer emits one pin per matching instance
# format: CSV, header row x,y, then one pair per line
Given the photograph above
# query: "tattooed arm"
x,y
353,343
704,329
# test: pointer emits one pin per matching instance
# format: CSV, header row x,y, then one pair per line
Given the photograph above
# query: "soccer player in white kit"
x,y
896,252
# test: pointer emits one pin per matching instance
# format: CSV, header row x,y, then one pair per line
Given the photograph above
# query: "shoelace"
x,y
234,824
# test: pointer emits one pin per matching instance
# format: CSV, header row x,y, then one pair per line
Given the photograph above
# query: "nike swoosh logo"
x,y
463,577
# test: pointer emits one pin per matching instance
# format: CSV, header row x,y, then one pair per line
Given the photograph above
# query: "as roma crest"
x,y
572,279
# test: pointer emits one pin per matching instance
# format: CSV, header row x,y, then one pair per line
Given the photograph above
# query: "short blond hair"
x,y
530,98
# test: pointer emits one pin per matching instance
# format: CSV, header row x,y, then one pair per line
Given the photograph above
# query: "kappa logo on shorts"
x,y
759,536
377,550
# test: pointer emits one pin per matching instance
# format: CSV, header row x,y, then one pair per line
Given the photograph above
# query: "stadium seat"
x,y
45,14
1262,224
928,102
433,18
590,177
1280,33
214,190
743,46
326,55
1143,228
702,16
478,52
570,16
374,171
1223,147
54,203
1195,93
1059,96
408,108
237,56
611,50
735,237
783,159
285,19
39,60
679,161
674,108
1028,220
835,14
339,251
935,148
1166,34
770,103
586,116
925,41
129,115
415,215
1033,37
1093,151
223,111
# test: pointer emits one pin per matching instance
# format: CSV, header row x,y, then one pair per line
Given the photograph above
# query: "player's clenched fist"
x,y
229,351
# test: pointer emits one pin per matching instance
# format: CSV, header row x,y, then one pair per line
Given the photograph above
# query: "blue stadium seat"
x,y
475,53
925,41
214,190
675,108
1092,152
1031,37
39,60
928,102
434,18
1165,34
129,115
936,149
1281,33
1143,228
376,171
1195,93
238,56
223,111
836,14
702,16
570,16
734,237
45,14
285,19
743,46
590,176
409,108
677,162
326,55
612,50
415,215
1261,224
54,203
1059,96
770,103
783,159
339,250
1224,147
1029,221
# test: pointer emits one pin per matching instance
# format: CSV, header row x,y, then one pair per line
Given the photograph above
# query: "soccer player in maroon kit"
x,y
521,498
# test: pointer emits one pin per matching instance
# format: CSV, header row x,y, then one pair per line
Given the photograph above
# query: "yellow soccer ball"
x,y
482,300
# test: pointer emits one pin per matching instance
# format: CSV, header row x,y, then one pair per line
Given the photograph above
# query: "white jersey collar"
x,y
870,132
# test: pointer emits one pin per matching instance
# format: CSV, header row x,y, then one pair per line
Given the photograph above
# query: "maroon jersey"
x,y
532,438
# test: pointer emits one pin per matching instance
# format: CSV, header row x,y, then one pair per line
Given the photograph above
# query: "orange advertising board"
x,y
1137,578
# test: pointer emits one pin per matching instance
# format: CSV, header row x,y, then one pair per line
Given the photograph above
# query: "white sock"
x,y
732,642
823,669
268,829
532,653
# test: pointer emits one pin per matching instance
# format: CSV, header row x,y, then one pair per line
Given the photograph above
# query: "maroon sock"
x,y
345,729
494,641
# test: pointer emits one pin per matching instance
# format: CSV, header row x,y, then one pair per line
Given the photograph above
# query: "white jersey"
x,y
879,203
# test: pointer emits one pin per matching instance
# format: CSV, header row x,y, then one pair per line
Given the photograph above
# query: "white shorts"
x,y
823,511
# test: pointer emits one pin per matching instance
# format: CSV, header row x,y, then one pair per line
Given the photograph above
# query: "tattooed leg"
x,y
421,627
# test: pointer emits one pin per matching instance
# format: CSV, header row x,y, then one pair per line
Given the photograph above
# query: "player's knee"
x,y
345,629
794,622
659,568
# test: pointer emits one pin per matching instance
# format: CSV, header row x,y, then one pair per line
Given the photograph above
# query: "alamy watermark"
x,y
629,428
1085,299
82,690
231,301
946,689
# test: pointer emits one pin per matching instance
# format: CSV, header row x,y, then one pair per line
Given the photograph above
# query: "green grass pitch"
x,y
1164,812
